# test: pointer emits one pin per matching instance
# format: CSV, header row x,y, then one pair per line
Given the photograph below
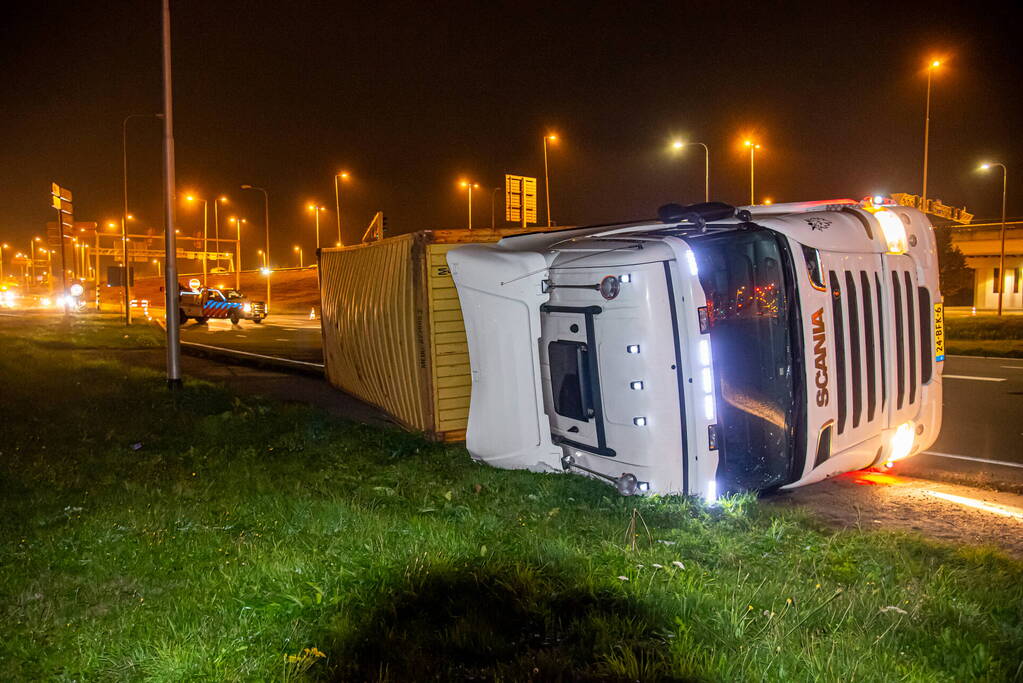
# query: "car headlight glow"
x,y
247,308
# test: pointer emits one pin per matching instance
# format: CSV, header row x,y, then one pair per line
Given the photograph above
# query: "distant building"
x,y
980,244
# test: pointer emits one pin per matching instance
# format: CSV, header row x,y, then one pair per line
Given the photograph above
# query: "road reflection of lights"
x,y
1003,510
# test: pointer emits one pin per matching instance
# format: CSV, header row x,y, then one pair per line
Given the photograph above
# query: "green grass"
x,y
211,536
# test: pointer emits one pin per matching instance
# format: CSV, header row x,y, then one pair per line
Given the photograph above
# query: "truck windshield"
x,y
746,276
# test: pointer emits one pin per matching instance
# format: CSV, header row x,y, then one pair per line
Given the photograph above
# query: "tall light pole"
x,y
338,177
156,262
493,207
298,250
927,131
468,184
1001,253
216,223
124,215
678,144
546,175
266,224
205,231
3,245
753,147
317,209
237,249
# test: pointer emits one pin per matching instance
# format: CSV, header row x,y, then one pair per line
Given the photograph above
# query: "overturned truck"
x,y
712,350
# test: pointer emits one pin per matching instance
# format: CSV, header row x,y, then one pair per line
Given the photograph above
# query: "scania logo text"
x,y
820,356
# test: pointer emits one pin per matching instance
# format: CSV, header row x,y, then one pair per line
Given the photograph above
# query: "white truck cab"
x,y
714,350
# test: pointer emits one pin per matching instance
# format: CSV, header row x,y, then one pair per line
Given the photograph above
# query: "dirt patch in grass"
x,y
938,510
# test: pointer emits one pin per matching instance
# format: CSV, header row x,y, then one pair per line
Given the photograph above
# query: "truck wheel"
x,y
182,318
258,321
235,318
201,320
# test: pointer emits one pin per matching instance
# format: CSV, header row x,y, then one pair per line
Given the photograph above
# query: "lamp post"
x,y
493,207
216,224
266,223
338,177
237,249
1001,253
546,175
298,250
927,131
678,144
3,245
124,215
316,209
753,147
205,231
156,263
469,185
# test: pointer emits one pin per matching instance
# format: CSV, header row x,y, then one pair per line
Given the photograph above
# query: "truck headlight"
x,y
901,443
894,231
247,308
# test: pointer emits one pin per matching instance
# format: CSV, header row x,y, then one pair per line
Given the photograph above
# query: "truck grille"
x,y
861,381
258,308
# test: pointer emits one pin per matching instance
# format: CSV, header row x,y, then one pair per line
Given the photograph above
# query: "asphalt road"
x,y
294,337
982,423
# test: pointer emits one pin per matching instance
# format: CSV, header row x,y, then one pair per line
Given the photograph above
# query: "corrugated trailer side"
x,y
373,322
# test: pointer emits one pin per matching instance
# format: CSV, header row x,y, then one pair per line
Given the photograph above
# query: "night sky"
x,y
411,97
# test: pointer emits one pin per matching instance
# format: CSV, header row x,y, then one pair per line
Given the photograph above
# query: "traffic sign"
x,y
519,199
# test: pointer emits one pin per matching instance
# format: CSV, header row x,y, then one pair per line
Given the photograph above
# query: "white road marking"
x,y
972,459
281,339
1012,367
254,355
1004,511
978,379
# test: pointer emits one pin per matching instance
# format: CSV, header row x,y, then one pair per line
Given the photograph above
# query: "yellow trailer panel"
x,y
393,334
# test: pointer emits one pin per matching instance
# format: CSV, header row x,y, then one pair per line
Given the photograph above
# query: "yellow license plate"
x,y
939,332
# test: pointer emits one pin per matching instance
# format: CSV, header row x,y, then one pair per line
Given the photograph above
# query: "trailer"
x,y
392,328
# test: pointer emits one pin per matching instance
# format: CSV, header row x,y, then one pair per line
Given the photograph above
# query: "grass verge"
x,y
205,535
985,335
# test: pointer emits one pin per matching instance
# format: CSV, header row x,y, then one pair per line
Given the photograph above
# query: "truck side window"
x,y
570,379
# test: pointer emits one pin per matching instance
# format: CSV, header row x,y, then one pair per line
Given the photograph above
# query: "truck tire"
x,y
235,318
201,320
258,321
182,318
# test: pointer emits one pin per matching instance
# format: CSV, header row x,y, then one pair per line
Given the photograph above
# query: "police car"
x,y
203,303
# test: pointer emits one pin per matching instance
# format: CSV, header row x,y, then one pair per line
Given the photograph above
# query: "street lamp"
x,y
301,263
927,131
469,185
3,245
216,224
678,144
338,177
753,147
546,175
493,207
157,264
266,223
317,209
1001,254
205,231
